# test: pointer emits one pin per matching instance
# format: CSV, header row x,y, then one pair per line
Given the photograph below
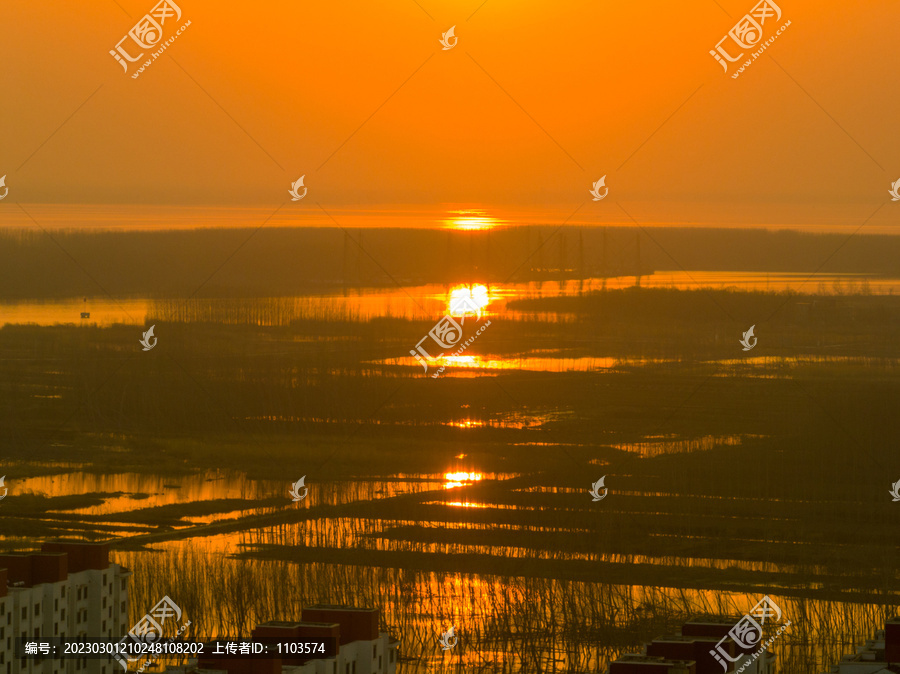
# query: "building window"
x,y
24,613
62,614
104,602
374,651
37,609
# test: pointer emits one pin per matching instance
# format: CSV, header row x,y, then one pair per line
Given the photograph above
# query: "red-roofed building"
x,y
695,644
361,648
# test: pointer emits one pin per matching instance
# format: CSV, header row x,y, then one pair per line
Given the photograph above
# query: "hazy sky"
x,y
535,102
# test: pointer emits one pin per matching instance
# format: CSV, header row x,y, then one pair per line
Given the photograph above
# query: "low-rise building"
x,y
691,650
880,655
362,649
68,589
633,663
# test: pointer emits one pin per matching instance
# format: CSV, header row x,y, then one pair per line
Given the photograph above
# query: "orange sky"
x,y
601,78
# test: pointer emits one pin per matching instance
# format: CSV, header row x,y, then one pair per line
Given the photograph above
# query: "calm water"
x,y
590,623
431,549
432,300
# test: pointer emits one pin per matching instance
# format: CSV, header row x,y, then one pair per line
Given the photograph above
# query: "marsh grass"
x,y
289,260
505,623
539,580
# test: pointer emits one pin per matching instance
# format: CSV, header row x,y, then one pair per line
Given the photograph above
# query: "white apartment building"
x,y
69,589
880,655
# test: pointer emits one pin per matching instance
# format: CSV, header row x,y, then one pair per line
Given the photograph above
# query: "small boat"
x,y
85,314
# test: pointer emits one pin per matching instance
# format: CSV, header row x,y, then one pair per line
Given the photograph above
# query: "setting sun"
x,y
471,220
632,269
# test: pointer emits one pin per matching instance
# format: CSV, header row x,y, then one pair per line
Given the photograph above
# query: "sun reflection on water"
x,y
468,300
461,479
466,423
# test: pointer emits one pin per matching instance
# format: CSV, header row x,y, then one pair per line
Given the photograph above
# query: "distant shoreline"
x,y
263,261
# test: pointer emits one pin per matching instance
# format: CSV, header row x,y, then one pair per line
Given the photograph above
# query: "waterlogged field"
x,y
417,302
464,500
502,558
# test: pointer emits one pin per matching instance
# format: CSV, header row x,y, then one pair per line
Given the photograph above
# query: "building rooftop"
x,y
637,658
341,607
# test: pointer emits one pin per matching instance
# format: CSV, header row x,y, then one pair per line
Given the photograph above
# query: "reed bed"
x,y
505,624
730,475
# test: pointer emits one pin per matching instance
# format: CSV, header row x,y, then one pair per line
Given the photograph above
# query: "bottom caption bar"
x,y
265,647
